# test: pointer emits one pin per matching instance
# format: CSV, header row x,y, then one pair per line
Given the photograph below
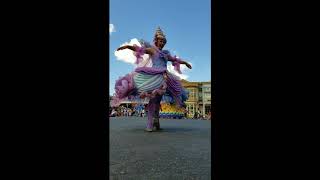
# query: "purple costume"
x,y
153,82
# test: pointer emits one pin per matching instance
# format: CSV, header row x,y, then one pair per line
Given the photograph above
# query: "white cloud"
x,y
183,69
111,28
126,55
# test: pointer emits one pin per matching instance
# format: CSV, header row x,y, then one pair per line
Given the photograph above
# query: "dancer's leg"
x,y
156,122
151,106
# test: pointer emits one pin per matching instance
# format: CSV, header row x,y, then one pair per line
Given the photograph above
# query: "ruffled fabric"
x,y
139,53
161,54
165,54
176,64
150,70
123,88
154,93
168,97
175,88
174,85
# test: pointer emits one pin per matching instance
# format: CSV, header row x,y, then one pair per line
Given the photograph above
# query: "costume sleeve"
x,y
176,64
139,53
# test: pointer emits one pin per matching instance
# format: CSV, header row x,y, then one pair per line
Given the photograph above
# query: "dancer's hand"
x,y
165,76
188,65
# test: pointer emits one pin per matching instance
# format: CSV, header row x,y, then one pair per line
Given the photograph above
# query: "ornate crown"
x,y
158,34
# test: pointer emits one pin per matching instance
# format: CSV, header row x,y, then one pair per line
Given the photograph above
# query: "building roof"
x,y
186,83
201,82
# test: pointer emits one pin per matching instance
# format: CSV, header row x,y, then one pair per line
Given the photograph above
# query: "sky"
x,y
186,25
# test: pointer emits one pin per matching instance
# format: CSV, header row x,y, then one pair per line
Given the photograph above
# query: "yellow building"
x,y
199,97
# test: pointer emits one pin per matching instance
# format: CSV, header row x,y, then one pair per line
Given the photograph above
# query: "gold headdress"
x,y
159,34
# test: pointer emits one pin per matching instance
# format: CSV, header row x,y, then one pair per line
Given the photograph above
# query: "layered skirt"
x,y
146,83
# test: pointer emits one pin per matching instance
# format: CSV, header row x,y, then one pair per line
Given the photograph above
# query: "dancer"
x,y
151,79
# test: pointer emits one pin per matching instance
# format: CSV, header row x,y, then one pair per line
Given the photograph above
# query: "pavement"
x,y
182,150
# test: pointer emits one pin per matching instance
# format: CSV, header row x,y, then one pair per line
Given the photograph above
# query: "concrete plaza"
x,y
181,151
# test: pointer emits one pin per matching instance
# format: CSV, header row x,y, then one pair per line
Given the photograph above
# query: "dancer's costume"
x,y
151,80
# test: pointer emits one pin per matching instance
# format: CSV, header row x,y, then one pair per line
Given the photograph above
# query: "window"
x,y
192,93
207,109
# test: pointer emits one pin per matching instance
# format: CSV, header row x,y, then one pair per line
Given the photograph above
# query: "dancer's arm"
x,y
127,47
187,64
180,61
149,51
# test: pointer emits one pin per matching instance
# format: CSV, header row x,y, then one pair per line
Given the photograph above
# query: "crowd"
x,y
198,115
127,111
141,111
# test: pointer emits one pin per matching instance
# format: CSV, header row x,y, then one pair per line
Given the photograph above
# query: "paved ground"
x,y
181,151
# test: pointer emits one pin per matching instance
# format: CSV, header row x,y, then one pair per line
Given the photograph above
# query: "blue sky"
x,y
186,24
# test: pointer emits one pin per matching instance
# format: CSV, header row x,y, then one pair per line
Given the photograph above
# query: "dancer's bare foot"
x,y
148,130
157,128
142,95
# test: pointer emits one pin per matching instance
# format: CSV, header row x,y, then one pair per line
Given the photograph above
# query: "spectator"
x,y
142,113
130,112
113,113
199,114
185,113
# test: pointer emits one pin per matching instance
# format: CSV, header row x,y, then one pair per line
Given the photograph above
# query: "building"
x,y
205,97
199,97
